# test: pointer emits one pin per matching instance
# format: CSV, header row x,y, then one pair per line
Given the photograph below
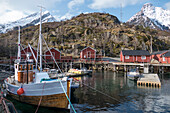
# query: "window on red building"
x,y
126,57
143,57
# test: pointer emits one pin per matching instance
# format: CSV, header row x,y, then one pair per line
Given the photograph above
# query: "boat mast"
x,y
19,46
40,40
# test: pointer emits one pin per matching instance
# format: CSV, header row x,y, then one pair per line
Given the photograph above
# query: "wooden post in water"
x,y
105,67
146,69
71,65
65,66
114,68
62,66
152,69
125,68
80,65
53,65
162,69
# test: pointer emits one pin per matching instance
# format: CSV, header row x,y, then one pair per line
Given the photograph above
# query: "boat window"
x,y
20,67
23,67
126,57
30,67
133,70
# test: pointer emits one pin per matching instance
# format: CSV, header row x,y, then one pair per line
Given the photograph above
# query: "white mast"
x,y
19,45
40,40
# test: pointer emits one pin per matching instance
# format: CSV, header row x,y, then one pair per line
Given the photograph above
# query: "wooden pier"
x,y
107,64
149,80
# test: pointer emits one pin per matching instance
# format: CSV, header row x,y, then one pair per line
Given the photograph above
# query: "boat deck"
x,y
149,80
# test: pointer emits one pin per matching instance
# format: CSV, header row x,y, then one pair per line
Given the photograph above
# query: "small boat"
x,y
85,70
34,86
78,72
133,74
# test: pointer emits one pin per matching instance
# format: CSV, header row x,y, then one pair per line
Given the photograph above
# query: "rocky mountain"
x,y
30,20
101,31
151,16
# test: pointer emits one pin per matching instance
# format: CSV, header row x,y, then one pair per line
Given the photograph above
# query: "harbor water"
x,y
110,92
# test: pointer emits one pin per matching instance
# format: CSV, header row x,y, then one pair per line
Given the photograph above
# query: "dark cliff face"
x,y
99,30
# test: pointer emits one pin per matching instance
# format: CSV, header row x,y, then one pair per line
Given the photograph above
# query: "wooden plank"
x,y
149,80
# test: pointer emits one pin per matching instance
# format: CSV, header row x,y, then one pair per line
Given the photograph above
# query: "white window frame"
x,y
143,57
163,58
126,57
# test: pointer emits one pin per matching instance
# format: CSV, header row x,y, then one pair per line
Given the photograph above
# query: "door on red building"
x,y
88,54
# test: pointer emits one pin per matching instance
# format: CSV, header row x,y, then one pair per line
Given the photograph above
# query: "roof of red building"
x,y
135,52
167,54
54,49
159,52
28,47
88,47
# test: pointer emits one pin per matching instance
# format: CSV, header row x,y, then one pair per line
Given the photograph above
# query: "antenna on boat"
x,y
40,38
19,45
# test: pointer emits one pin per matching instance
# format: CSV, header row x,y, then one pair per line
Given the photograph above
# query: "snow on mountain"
x,y
151,16
33,19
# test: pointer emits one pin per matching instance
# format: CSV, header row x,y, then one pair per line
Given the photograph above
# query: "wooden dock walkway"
x,y
149,80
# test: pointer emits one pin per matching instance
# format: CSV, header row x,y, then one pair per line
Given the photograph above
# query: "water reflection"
x,y
130,97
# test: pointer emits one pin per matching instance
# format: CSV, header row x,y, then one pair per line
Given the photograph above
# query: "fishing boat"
x,y
34,85
133,74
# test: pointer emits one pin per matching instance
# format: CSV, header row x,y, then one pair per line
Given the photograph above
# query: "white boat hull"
x,y
52,93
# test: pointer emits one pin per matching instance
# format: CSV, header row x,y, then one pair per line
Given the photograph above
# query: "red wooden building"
x,y
56,53
26,51
135,56
88,53
162,56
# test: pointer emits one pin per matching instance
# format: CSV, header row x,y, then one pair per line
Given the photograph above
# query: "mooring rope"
x,y
11,103
102,92
40,98
67,97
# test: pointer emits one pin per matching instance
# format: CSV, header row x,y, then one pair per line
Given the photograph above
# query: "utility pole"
x,y
151,45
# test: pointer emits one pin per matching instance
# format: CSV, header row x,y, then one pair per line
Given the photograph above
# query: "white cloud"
x,y
73,3
167,5
11,10
11,16
100,4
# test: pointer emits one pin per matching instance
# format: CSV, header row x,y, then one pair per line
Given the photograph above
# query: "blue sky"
x,y
11,10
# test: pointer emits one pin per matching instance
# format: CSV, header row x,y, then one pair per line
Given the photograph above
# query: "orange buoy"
x,y
20,91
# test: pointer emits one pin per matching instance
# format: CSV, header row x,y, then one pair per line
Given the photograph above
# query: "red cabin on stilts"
x,y
135,56
88,53
26,51
162,56
56,53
